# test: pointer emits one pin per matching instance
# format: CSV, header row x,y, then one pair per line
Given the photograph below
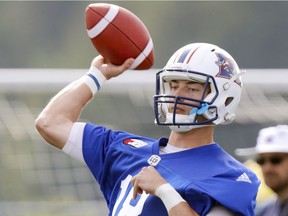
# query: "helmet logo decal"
x,y
226,67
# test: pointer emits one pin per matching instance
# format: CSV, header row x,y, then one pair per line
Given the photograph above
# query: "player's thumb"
x,y
127,64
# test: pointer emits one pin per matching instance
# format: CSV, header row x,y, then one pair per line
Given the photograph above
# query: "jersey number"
x,y
127,209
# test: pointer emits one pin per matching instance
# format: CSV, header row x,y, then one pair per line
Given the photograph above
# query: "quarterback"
x,y
187,173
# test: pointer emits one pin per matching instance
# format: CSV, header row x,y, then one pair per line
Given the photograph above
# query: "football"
x,y
118,34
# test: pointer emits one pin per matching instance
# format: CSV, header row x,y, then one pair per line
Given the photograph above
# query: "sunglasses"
x,y
272,160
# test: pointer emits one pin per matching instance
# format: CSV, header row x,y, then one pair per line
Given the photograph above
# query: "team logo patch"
x,y
154,160
226,67
135,142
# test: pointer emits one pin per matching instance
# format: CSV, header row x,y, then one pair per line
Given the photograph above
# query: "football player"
x,y
187,173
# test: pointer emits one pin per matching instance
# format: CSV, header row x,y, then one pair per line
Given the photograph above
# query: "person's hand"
x,y
148,180
108,69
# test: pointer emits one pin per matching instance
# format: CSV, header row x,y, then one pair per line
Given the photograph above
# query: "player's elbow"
x,y
52,131
43,125
40,123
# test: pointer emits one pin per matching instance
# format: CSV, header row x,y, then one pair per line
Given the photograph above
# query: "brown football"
x,y
118,34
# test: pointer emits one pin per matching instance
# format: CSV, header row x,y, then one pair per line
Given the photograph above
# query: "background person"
x,y
271,153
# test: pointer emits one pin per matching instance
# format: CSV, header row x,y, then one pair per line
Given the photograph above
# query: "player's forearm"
x,y
55,121
174,203
182,209
67,105
69,102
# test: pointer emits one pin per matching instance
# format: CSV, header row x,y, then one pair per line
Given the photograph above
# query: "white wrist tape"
x,y
169,196
94,79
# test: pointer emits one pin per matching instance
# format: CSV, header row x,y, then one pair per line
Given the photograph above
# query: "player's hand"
x,y
148,180
108,69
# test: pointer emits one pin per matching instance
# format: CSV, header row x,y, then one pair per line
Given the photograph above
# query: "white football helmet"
x,y
206,64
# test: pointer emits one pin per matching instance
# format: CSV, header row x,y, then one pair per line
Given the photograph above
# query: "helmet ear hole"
x,y
228,100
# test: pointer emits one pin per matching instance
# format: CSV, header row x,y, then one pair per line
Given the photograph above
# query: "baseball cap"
x,y
269,140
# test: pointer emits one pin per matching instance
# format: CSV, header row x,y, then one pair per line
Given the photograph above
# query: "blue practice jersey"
x,y
203,176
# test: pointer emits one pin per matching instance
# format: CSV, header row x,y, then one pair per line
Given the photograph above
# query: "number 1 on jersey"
x,y
129,208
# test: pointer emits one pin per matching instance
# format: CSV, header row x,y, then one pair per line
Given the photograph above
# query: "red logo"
x,y
135,142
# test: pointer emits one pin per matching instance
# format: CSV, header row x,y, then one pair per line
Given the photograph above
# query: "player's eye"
x,y
173,86
192,89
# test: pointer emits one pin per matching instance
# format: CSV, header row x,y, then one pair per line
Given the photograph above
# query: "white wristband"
x,y
94,79
169,196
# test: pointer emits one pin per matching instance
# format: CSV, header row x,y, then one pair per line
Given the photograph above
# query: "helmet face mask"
x,y
218,74
167,103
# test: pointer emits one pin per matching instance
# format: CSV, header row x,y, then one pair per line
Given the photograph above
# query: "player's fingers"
x,y
98,61
109,70
133,180
127,64
135,190
136,187
151,168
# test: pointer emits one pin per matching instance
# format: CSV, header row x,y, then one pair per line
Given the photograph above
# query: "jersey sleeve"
x,y
97,141
73,146
89,144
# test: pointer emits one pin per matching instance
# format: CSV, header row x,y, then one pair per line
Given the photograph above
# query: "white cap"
x,y
269,140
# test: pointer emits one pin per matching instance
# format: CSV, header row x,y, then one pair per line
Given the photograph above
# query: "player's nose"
x,y
179,92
